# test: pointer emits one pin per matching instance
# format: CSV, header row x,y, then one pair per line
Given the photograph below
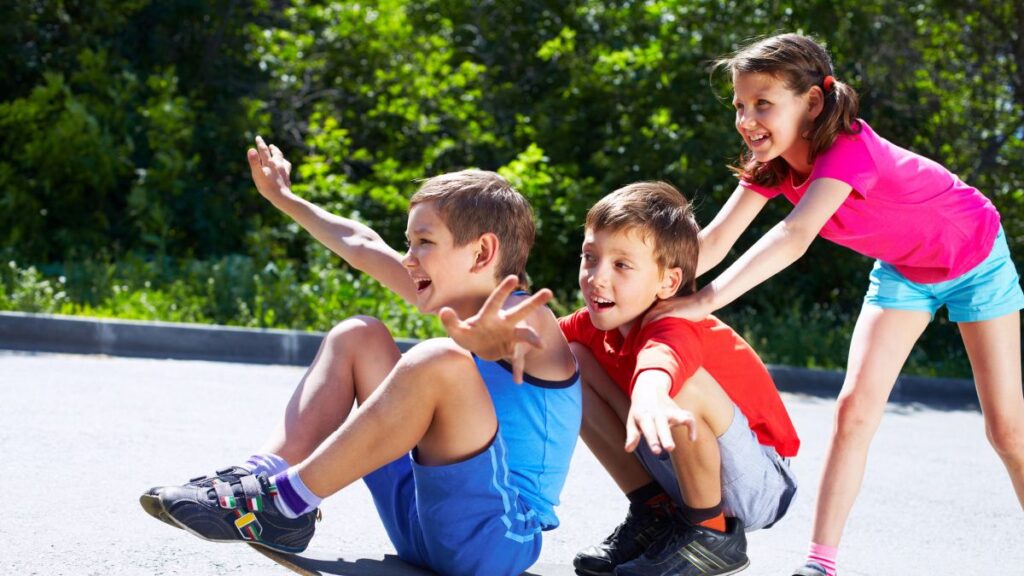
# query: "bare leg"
x,y
882,340
994,349
353,360
433,400
698,464
603,430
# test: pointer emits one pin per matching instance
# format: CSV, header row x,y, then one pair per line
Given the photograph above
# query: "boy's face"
x,y
620,278
442,271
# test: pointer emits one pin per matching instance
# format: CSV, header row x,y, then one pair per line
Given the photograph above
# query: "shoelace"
x,y
630,528
659,546
626,529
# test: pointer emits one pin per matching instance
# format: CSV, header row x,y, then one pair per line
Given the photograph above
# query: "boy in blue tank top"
x,y
465,464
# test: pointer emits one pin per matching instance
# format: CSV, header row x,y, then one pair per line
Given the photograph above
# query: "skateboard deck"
x,y
311,563
292,562
326,564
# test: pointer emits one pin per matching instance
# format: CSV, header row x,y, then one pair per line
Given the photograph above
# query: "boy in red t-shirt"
x,y
717,437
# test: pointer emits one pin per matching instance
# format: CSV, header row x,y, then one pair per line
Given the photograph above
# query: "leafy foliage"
x,y
123,125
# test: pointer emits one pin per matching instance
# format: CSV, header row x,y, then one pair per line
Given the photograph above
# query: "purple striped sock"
x,y
268,464
294,498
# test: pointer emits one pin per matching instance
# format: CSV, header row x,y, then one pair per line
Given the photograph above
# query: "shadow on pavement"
x,y
317,564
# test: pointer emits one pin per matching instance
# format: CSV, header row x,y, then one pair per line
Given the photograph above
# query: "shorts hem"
x,y
987,314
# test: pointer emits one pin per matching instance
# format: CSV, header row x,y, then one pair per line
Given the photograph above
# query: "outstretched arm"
x,y
653,414
718,237
786,242
356,243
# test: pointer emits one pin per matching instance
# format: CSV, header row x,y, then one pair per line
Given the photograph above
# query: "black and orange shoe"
x,y
693,551
628,541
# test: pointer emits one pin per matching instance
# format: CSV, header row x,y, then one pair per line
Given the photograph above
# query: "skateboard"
x,y
324,564
294,562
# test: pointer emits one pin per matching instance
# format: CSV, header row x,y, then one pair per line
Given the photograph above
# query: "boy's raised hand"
x,y
652,415
494,333
271,172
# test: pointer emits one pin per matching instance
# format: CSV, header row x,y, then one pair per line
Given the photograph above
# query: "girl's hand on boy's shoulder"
x,y
496,333
685,307
271,171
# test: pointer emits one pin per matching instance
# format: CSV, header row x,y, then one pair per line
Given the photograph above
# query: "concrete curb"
x,y
77,335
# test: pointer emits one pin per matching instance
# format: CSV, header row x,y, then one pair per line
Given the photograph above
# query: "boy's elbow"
x,y
361,249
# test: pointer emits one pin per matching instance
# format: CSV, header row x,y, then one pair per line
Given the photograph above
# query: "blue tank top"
x,y
539,422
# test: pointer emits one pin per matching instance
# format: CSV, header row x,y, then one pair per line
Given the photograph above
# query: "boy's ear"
x,y
486,251
670,281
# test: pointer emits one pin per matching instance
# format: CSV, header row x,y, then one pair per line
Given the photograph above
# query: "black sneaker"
x,y
150,501
639,530
693,551
240,511
811,569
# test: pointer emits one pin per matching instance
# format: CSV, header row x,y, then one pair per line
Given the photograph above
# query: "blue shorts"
x,y
757,484
463,518
989,290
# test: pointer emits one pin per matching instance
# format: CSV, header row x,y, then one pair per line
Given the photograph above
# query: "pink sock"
x,y
824,556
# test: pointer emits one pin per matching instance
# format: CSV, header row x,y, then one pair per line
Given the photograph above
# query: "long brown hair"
x,y
802,64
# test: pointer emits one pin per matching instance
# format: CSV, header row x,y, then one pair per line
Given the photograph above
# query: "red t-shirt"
x,y
679,347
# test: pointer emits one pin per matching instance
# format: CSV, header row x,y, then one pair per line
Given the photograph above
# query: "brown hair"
x,y
662,215
472,203
801,63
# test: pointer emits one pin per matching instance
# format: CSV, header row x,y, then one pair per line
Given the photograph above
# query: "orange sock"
x,y
716,523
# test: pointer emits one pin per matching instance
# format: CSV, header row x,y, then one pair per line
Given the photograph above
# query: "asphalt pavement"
x,y
84,436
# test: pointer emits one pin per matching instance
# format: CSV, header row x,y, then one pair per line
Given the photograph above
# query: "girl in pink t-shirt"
x,y
937,241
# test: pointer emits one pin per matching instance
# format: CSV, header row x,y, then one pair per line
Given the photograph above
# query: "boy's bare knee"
x,y
703,396
441,356
361,331
592,375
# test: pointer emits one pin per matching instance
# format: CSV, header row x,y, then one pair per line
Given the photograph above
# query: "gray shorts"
x,y
757,484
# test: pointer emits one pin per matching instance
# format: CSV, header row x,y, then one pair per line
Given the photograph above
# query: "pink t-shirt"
x,y
905,209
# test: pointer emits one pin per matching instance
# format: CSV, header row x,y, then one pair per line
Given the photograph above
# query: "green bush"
x,y
234,290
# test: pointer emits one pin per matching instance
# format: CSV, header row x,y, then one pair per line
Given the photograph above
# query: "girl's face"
x,y
772,119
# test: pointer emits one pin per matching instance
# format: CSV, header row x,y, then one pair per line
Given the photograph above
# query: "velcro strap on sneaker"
x,y
225,496
248,526
253,493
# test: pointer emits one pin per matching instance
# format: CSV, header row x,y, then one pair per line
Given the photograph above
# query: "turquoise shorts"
x,y
989,290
